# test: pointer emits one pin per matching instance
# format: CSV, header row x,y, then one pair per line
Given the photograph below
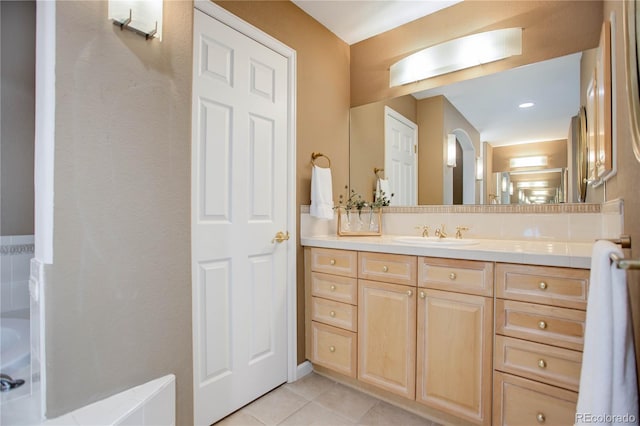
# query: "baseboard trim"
x,y
303,369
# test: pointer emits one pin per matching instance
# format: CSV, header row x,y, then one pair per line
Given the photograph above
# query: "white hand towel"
x,y
383,186
321,193
608,385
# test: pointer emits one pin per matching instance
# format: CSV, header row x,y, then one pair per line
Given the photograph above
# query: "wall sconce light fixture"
x,y
143,17
479,168
510,188
451,150
533,161
457,54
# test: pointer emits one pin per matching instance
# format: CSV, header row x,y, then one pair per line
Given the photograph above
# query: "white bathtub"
x,y
14,344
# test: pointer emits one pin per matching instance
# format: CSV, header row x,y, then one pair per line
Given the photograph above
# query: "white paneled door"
x,y
400,157
239,203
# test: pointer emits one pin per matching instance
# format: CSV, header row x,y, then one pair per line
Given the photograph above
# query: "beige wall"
x,y
551,29
440,117
323,101
555,151
624,184
18,115
454,120
366,141
119,313
430,150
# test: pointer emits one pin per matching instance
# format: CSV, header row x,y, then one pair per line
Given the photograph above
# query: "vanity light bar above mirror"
x,y
533,161
457,54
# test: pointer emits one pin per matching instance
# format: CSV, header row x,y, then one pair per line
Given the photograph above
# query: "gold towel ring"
x,y
376,170
315,155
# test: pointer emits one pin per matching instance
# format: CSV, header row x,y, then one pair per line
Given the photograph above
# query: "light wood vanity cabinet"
x,y
455,333
387,336
540,318
332,309
423,328
387,320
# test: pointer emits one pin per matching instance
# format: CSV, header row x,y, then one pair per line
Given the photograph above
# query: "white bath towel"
x,y
608,385
321,193
383,186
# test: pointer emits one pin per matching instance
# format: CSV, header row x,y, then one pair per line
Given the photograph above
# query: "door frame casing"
x,y
227,18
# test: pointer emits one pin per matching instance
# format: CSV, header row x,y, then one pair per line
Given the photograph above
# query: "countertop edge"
x,y
542,253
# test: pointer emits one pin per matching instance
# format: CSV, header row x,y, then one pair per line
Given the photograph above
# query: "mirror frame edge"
x,y
631,72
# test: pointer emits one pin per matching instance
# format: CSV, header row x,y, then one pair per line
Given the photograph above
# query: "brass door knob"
x,y
452,276
542,325
385,268
541,418
332,262
280,237
542,285
542,363
332,313
422,295
409,293
332,288
332,348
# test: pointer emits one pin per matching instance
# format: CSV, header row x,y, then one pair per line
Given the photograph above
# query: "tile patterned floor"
x,y
318,401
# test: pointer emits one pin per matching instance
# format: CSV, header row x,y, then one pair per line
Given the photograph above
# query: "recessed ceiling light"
x,y
526,105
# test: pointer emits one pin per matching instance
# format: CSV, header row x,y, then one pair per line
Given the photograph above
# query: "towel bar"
x,y
623,263
624,241
315,155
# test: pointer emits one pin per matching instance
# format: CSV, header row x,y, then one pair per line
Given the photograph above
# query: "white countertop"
x,y
534,252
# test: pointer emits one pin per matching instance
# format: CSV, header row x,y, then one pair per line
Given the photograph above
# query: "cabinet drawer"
x,y
564,287
466,276
332,261
391,268
555,366
340,289
545,324
523,402
334,313
334,348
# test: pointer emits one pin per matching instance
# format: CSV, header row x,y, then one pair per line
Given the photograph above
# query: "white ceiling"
x,y
489,103
357,20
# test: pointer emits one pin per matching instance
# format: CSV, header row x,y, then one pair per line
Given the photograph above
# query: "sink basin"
x,y
435,241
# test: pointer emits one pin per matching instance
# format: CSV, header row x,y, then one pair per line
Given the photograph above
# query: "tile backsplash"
x,y
16,252
568,222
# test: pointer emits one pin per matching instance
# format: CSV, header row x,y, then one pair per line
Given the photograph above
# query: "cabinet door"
x,y
387,336
454,353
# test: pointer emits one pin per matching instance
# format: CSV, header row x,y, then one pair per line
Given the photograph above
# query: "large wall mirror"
x,y
631,18
496,137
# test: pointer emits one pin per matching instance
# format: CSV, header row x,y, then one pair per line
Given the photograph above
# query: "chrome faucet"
x,y
440,232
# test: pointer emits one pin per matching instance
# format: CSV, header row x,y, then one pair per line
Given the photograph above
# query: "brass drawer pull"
x,y
541,418
543,285
332,313
385,268
332,288
409,293
422,295
542,363
332,348
332,262
452,276
542,325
